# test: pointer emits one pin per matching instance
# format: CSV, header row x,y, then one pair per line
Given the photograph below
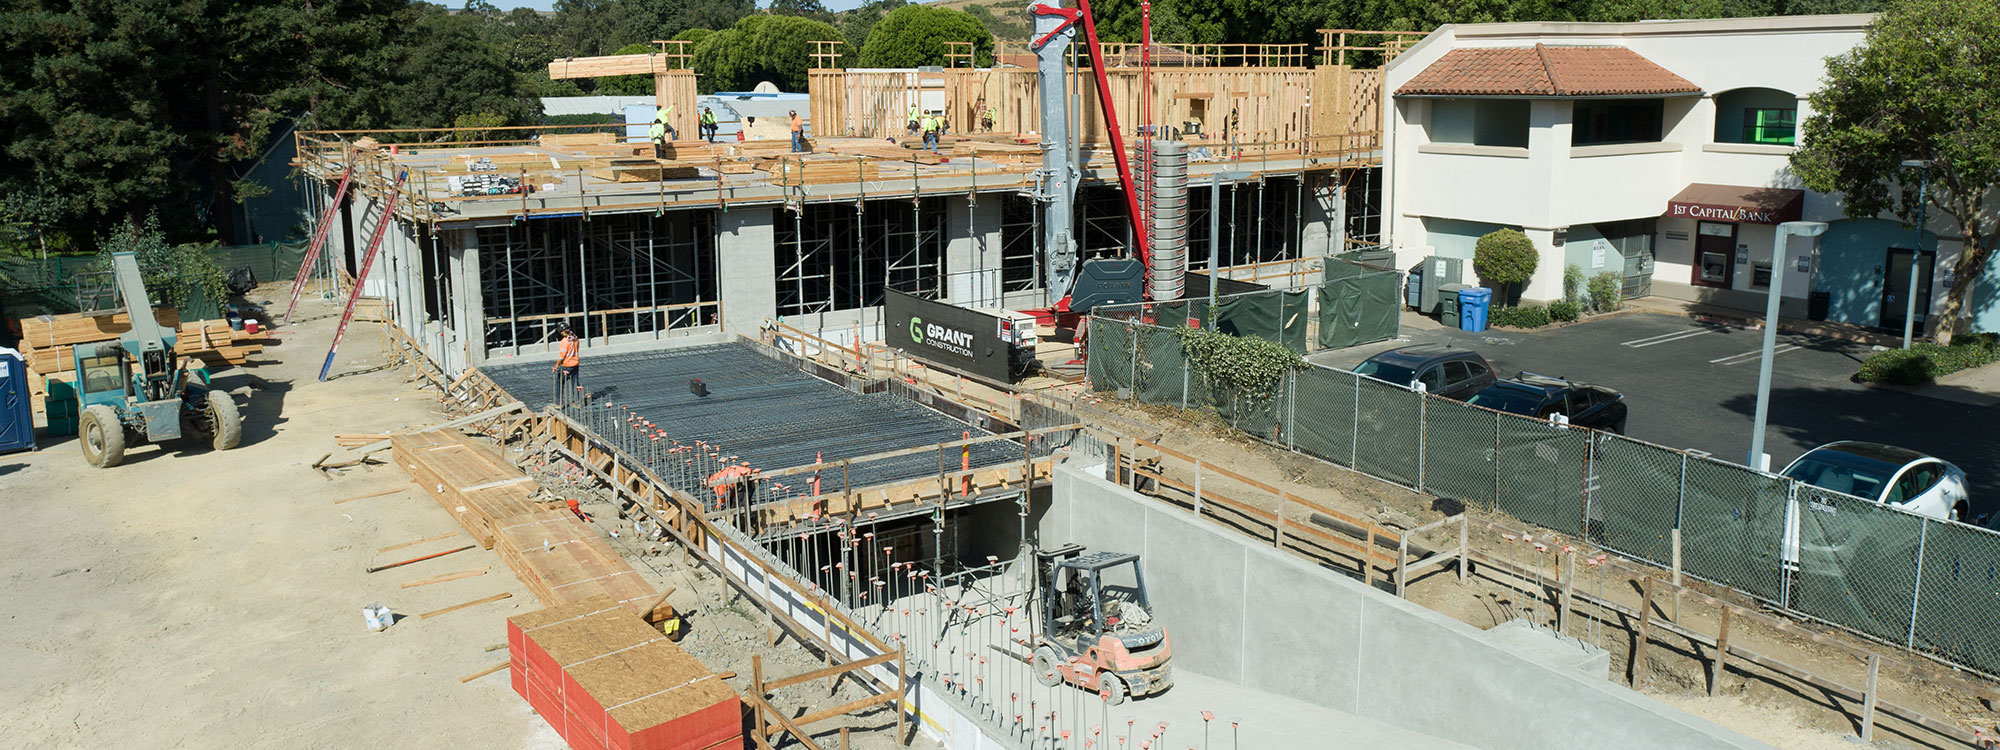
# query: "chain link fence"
x,y
1355,303
1878,570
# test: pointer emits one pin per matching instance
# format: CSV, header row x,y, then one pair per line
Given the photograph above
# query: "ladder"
x,y
310,264
361,276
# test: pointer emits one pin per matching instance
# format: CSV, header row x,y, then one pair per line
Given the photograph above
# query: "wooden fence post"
x,y
1721,653
1645,624
1868,700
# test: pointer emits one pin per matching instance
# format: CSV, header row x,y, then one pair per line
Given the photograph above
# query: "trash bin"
x,y
1413,290
1449,304
1473,303
1817,304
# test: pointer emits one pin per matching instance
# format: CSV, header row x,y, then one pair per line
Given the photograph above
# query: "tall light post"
x,y
1916,245
1786,231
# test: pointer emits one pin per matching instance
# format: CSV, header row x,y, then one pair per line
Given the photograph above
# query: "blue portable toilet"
x,y
17,418
1473,303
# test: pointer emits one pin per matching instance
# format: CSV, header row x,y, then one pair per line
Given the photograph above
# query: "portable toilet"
x,y
17,417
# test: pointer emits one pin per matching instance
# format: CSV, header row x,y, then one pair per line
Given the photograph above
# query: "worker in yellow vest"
x,y
708,124
913,119
930,126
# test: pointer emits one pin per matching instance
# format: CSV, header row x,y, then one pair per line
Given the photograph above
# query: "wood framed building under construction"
x,y
498,238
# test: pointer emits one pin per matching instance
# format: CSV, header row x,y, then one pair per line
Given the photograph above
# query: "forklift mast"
x,y
151,346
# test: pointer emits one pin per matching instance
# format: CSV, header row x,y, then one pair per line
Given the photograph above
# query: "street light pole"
x,y
1785,232
1916,245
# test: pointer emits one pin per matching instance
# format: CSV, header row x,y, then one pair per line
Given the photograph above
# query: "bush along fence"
x,y
1901,578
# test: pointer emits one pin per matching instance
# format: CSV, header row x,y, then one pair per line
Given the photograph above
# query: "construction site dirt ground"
x,y
191,598
1758,702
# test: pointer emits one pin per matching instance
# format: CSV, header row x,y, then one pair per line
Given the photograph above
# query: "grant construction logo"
x,y
939,337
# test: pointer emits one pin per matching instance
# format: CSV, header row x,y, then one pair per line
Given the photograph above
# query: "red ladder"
x,y
306,266
361,276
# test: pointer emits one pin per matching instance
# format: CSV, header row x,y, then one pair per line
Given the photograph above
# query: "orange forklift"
x,y
1096,629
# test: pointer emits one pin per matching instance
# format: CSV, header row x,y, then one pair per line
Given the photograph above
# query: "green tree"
x,y
760,48
1924,85
454,69
916,35
812,9
855,24
1507,258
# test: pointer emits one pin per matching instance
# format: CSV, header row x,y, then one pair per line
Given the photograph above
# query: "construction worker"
x,y
913,119
661,132
929,125
708,124
567,367
798,133
987,114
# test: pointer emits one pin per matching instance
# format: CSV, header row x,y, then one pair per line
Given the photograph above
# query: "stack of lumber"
x,y
47,343
215,343
645,170
604,680
797,170
571,140
564,561
46,339
471,481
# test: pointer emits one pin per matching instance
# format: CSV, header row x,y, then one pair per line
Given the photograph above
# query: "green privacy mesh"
x,y
1638,497
1542,472
1459,442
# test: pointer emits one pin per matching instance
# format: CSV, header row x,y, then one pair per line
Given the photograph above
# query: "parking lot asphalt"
x,y
1690,384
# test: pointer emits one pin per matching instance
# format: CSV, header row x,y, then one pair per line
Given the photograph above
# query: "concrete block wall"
x,y
1271,621
746,268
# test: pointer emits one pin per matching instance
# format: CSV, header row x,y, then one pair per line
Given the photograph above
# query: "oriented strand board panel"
x,y
602,678
564,561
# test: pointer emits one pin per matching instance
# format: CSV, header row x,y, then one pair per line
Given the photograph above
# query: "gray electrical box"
x,y
1430,276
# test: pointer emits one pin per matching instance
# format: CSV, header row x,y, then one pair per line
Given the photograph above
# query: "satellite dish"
x,y
766,87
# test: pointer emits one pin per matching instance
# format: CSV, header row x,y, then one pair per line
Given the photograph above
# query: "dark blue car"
x,y
1543,397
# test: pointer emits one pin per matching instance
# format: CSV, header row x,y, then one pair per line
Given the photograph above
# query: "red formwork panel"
x,y
605,680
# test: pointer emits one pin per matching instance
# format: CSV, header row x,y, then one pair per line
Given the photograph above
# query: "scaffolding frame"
x,y
833,257
615,275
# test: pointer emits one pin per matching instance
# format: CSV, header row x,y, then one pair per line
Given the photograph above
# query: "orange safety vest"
x,y
566,353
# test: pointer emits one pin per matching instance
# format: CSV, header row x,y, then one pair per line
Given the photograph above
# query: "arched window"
x,y
1754,115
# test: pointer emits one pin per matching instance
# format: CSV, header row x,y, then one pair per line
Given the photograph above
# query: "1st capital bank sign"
x,y
1744,214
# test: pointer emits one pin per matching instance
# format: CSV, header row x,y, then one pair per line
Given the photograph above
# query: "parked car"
x,y
1885,474
1543,397
1879,473
1447,371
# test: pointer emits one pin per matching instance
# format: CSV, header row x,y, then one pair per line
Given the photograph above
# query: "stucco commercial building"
x,y
1659,151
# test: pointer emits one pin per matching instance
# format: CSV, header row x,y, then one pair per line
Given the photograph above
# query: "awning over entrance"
x,y
1748,205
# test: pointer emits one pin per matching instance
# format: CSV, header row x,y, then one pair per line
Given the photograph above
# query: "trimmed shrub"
x,y
1925,362
1572,283
1524,316
1565,309
1607,292
1505,258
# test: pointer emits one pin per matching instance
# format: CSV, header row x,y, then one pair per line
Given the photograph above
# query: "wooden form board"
x,y
564,561
478,488
1271,102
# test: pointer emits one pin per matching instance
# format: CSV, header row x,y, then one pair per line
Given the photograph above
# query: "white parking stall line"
x,y
1752,355
1666,338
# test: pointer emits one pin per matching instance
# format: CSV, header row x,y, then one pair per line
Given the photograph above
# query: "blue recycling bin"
x,y
1472,305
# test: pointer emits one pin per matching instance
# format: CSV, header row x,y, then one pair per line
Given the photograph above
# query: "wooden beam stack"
x,y
564,561
607,681
48,343
469,480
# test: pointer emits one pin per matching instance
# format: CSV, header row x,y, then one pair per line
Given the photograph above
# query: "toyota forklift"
x,y
1096,626
135,389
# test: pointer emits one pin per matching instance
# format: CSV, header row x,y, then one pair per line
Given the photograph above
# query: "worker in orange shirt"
x,y
567,367
798,133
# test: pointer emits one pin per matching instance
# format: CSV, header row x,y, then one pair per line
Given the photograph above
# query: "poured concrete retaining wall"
x,y
1271,621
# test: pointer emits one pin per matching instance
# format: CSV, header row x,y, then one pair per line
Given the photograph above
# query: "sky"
x,y
834,5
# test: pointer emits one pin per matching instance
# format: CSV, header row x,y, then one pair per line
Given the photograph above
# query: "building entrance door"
x,y
1714,254
1896,284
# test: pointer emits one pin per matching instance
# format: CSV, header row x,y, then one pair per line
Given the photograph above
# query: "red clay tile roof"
x,y
1545,71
